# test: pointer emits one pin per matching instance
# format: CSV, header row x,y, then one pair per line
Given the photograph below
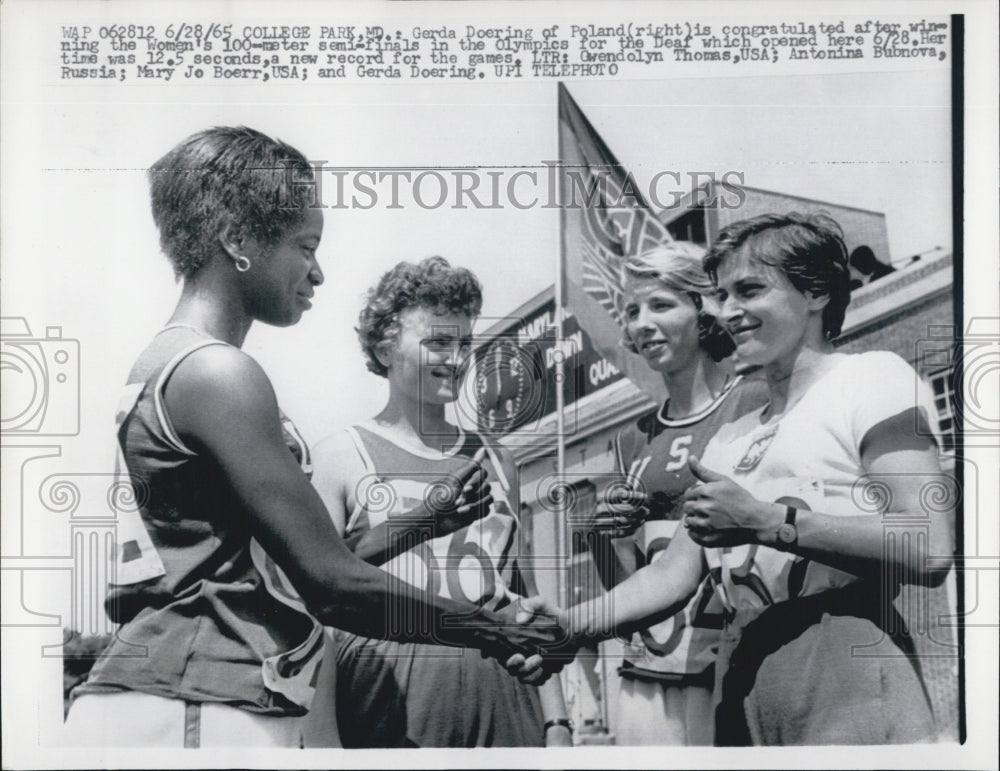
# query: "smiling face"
x,y
769,319
662,323
429,358
282,277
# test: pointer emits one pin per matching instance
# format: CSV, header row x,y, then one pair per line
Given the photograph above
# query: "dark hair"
x,y
226,177
677,265
808,248
432,284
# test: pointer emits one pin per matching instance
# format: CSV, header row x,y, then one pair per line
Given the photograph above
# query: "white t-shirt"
x,y
810,458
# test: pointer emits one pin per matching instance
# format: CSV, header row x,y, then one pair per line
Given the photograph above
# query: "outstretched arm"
x,y
222,405
654,592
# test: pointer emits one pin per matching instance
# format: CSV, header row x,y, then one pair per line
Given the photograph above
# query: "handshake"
x,y
531,638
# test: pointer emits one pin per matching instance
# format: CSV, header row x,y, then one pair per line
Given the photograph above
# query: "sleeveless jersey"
x,y
205,614
471,564
394,694
654,453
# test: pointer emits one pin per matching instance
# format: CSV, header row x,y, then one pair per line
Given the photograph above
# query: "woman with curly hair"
x,y
415,331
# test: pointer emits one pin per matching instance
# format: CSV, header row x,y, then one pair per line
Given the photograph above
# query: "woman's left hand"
x,y
718,512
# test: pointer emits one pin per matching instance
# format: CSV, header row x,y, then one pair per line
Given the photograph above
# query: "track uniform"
x,y
393,694
811,654
667,673
206,617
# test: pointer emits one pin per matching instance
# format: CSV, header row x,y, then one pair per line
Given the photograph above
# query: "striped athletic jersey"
x,y
471,564
654,454
205,614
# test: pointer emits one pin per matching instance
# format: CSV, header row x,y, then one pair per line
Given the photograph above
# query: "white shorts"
x,y
655,713
134,719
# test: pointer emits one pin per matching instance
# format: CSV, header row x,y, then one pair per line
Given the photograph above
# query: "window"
x,y
944,400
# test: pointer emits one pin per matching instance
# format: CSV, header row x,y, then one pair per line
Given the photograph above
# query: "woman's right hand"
x,y
539,630
455,501
468,497
618,513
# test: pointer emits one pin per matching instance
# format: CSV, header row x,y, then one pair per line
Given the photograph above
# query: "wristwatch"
x,y
787,534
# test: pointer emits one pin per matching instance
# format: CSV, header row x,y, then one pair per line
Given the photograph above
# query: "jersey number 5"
x,y
679,453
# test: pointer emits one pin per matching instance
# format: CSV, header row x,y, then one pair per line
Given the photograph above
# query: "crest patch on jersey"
x,y
755,452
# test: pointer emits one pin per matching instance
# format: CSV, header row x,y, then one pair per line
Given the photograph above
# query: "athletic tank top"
x,y
472,564
654,454
205,614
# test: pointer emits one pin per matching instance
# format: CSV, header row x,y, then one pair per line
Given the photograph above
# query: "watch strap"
x,y
787,534
565,722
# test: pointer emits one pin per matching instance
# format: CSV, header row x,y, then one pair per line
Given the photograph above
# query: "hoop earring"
x,y
242,264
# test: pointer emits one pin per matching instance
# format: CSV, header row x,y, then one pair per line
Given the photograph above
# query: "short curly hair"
x,y
677,265
808,248
431,283
226,177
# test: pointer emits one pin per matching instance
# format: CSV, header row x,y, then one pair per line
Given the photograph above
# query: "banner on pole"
x,y
605,220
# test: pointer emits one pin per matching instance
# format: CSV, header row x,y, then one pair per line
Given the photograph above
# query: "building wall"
x,y
900,332
928,613
860,227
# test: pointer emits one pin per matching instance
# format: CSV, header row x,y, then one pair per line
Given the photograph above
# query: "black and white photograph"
x,y
494,384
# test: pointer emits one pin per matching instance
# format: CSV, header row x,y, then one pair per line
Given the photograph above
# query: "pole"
x,y
562,585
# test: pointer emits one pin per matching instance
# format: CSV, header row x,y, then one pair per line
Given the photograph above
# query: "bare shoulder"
x,y
219,392
221,373
337,456
337,472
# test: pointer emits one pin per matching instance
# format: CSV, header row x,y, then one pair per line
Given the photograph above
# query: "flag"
x,y
605,220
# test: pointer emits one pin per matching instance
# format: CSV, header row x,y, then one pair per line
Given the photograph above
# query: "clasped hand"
x,y
718,512
537,624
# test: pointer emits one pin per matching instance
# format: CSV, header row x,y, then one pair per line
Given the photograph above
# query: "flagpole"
x,y
562,584
595,239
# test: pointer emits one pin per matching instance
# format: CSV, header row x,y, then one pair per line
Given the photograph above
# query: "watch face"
x,y
787,533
